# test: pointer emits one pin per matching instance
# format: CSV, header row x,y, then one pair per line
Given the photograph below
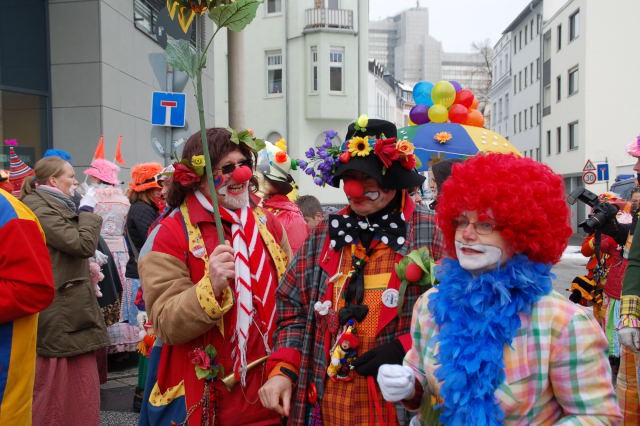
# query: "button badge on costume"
x,y
390,298
198,251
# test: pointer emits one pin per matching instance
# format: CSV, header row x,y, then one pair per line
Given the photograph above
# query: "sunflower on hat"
x,y
372,148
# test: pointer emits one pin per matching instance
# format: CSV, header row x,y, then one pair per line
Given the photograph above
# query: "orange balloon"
x,y
474,104
475,118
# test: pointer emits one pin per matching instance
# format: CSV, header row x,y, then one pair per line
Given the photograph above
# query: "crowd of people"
x,y
389,310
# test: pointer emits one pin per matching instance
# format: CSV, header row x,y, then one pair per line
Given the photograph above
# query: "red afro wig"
x,y
526,199
353,340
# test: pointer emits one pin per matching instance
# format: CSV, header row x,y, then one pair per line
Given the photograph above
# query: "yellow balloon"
x,y
438,113
411,123
443,93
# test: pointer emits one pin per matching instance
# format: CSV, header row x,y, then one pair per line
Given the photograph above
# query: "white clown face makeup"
x,y
480,252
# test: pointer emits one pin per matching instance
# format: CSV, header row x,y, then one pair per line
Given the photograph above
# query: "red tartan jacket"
x,y
298,340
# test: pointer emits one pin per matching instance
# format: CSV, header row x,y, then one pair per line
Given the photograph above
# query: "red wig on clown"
x,y
525,198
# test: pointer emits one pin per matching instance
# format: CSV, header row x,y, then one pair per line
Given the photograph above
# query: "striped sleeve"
x,y
26,277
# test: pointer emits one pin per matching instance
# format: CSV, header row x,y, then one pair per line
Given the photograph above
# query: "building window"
x,y
546,100
506,106
525,119
274,6
531,28
525,77
515,86
519,81
573,135
573,80
574,25
526,34
274,72
515,43
559,35
515,128
314,69
531,116
146,18
538,113
531,72
558,88
520,40
538,69
548,143
558,140
520,121
336,65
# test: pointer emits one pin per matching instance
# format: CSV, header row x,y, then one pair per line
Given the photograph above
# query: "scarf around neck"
x,y
477,316
58,195
255,280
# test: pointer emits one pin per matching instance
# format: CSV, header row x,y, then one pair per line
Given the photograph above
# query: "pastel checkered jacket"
x,y
556,368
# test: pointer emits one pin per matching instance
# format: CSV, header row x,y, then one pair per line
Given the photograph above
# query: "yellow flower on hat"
x,y
282,144
359,146
363,120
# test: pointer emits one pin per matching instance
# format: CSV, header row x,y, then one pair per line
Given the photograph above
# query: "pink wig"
x,y
633,148
526,199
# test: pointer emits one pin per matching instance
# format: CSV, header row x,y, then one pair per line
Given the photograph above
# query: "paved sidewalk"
x,y
117,394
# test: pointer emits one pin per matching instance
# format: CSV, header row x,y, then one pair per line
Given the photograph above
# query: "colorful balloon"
x,y
475,118
465,97
422,93
475,103
443,93
458,113
438,113
456,85
419,114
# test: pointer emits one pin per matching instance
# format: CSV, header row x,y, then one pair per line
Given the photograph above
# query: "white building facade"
x,y
500,92
525,61
306,71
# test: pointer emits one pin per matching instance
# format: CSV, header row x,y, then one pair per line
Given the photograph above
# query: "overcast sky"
x,y
457,23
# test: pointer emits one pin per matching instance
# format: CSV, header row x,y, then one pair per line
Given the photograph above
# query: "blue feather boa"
x,y
477,316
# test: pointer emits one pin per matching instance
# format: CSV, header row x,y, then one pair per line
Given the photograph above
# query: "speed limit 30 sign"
x,y
589,177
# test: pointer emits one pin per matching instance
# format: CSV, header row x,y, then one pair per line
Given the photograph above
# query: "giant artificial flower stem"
x,y
207,159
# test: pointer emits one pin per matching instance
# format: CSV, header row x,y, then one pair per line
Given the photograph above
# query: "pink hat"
x,y
633,148
104,170
18,170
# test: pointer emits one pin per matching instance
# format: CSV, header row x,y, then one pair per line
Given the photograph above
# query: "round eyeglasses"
x,y
460,223
229,168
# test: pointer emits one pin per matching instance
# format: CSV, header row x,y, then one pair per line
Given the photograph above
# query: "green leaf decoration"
x,y
182,56
235,16
211,351
418,163
201,374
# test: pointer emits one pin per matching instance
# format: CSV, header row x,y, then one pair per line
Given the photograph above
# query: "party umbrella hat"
x,y
18,170
436,141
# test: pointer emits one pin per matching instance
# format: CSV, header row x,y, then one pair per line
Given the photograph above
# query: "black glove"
x,y
368,363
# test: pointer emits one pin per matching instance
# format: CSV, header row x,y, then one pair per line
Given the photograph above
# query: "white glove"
x,y
100,257
142,319
397,382
89,198
630,337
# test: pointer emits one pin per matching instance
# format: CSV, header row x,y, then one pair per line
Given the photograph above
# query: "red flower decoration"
x,y
344,157
386,151
408,162
184,175
200,359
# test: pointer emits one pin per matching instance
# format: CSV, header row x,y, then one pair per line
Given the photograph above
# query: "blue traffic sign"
x,y
168,109
603,171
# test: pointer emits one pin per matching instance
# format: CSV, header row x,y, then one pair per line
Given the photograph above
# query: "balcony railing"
x,y
340,19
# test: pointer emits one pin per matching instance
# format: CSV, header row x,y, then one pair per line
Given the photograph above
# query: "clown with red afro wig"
x,y
494,314
526,199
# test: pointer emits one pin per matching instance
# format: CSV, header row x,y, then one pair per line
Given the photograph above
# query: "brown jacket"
x,y
73,324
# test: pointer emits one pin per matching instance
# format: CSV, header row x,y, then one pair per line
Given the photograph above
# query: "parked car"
x,y
624,187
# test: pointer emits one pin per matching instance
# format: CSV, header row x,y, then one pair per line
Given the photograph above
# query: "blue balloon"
x,y
422,93
456,85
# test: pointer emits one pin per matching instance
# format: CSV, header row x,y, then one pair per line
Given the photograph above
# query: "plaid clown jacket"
x,y
299,341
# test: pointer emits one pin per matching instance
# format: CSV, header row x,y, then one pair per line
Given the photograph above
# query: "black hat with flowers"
x,y
371,147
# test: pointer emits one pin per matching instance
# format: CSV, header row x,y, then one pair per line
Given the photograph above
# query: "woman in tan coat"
x,y
67,389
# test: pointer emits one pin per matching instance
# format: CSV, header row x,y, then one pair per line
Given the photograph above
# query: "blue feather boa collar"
x,y
477,316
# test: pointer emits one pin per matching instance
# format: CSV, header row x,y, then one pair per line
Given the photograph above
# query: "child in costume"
x,y
493,343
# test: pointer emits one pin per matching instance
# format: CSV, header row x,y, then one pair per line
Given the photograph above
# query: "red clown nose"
x,y
353,188
242,174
